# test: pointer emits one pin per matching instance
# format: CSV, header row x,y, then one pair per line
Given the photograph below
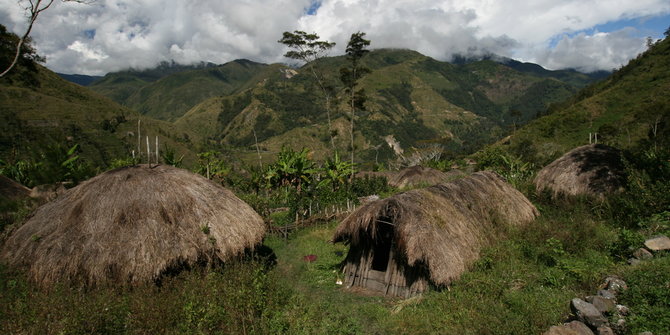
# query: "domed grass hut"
x,y
133,225
593,170
418,176
403,244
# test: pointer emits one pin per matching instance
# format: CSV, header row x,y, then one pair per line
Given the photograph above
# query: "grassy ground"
x,y
521,285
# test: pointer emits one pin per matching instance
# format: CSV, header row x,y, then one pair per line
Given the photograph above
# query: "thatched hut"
x,y
132,225
403,244
419,176
594,169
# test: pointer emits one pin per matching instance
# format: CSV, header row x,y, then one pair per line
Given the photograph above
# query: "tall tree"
x,y
356,49
33,9
308,48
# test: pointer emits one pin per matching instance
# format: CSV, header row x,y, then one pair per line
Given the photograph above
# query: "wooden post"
x,y
156,150
139,142
148,152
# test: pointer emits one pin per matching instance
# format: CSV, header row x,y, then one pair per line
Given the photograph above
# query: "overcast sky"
x,y
111,35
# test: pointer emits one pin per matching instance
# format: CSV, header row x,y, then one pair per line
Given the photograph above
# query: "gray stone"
x,y
642,254
572,328
561,330
620,326
604,330
615,284
607,294
622,310
579,327
587,313
645,333
658,243
604,305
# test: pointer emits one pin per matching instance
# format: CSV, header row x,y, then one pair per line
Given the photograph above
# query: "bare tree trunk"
x,y
258,151
35,11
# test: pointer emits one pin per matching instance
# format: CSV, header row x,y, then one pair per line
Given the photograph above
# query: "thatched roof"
x,y
131,225
418,175
593,169
12,190
443,226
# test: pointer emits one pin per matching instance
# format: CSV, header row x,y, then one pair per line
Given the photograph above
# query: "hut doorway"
x,y
381,252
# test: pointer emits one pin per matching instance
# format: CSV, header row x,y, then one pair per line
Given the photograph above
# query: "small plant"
x,y
205,229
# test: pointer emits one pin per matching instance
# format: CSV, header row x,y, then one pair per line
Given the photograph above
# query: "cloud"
x,y
588,53
111,35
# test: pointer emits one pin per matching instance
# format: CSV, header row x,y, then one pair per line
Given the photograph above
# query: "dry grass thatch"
x,y
11,190
593,169
443,226
418,175
133,225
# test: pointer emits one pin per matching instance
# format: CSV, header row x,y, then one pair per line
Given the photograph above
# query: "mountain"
x,y
630,107
411,99
39,109
79,79
169,91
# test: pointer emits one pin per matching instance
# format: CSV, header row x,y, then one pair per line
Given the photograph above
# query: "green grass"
x,y
522,284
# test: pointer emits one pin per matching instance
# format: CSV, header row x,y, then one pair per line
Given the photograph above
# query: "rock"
x,y
622,310
587,313
658,243
645,333
572,328
602,304
642,254
604,330
607,294
620,326
615,284
579,327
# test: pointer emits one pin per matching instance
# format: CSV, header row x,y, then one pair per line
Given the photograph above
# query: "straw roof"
x,y
443,226
418,175
131,225
9,189
593,169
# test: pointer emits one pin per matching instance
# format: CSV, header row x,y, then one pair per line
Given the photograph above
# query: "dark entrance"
x,y
382,247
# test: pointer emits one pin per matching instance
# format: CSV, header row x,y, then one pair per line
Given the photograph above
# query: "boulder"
x,y
604,330
642,254
587,313
604,305
658,243
571,328
615,284
607,294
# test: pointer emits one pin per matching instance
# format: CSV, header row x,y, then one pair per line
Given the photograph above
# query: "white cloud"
x,y
140,33
587,53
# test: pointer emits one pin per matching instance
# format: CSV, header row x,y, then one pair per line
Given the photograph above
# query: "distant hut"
x,y
594,169
132,225
419,176
12,190
402,244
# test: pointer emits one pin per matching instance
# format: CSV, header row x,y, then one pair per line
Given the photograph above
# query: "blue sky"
x,y
648,26
112,35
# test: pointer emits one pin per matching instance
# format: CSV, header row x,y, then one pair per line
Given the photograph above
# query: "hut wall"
x,y
399,279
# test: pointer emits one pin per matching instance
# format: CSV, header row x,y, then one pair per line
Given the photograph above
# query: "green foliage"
x,y
169,156
513,168
292,168
306,47
648,297
336,172
648,188
212,165
56,163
